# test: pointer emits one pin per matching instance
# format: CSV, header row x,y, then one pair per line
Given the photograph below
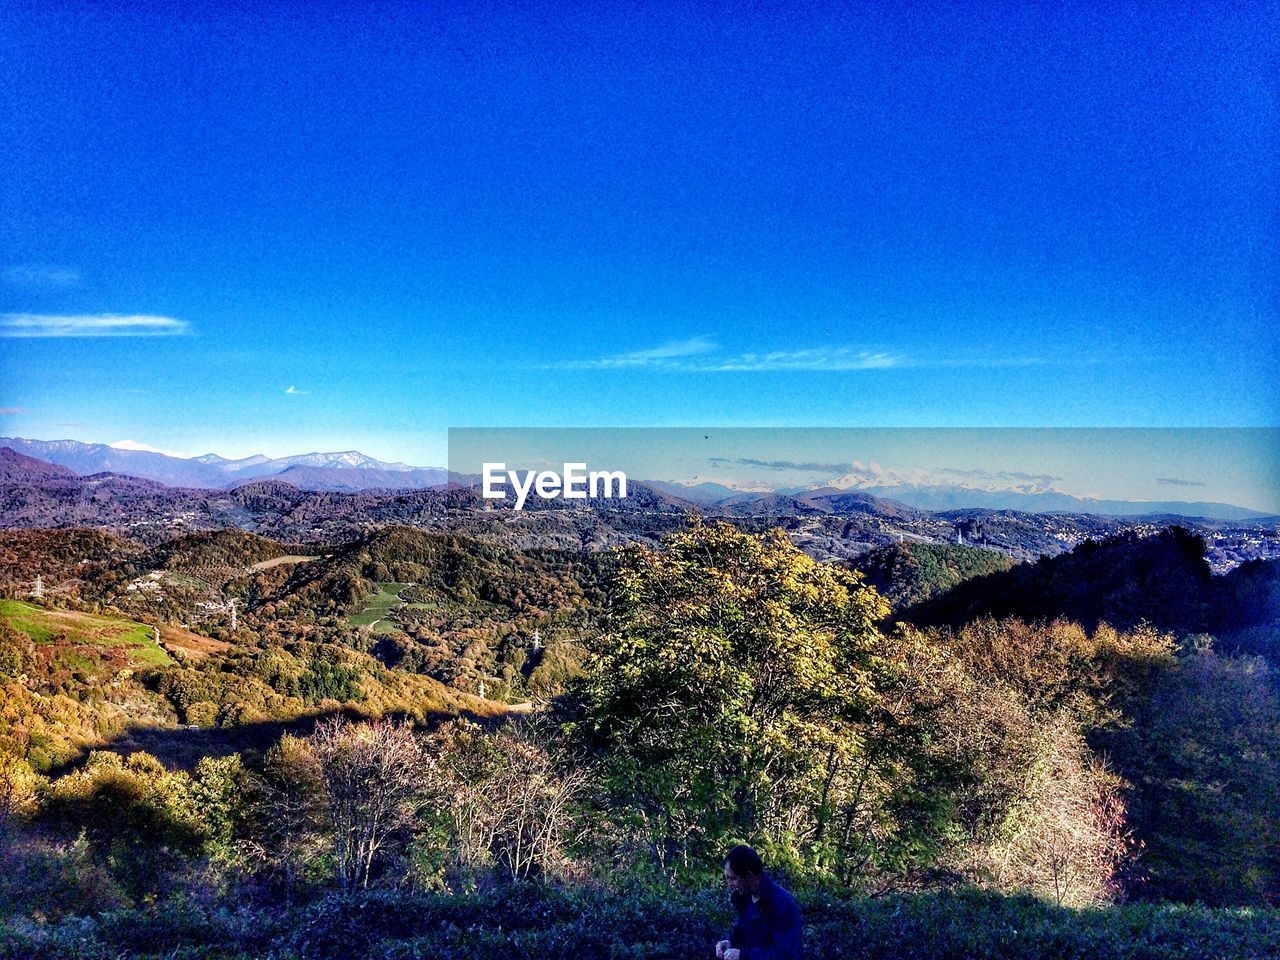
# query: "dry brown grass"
x,y
188,645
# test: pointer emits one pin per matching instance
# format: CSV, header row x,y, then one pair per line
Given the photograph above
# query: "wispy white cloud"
x,y
994,361
295,392
11,411
1002,476
702,355
868,474
846,473
666,355
817,358
807,466
40,275
90,325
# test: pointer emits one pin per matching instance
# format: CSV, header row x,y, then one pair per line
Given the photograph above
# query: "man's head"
x,y
743,870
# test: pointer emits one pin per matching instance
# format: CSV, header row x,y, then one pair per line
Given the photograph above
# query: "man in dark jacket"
x,y
768,926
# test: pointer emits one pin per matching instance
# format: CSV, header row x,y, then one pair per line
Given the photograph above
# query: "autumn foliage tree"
x,y
735,691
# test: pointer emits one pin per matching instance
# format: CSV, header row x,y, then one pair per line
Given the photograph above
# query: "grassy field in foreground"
x,y
75,634
529,920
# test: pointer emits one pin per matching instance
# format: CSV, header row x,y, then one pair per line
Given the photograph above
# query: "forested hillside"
x,y
1129,579
909,573
209,714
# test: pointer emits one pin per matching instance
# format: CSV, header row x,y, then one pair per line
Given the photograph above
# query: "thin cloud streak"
x,y
90,325
691,356
295,392
836,359
664,356
702,355
41,275
1002,475
805,466
853,474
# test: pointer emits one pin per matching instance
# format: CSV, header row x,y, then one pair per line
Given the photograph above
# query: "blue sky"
x,y
330,226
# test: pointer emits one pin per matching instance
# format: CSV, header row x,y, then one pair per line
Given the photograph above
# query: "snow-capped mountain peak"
x,y
137,447
352,459
850,481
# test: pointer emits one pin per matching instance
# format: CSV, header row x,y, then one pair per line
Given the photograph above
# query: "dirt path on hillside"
x,y
278,561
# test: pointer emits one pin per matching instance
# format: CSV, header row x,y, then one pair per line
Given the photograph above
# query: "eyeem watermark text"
x,y
575,483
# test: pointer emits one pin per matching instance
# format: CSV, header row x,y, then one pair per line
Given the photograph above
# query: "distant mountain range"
x,y
351,471
937,497
345,471
828,523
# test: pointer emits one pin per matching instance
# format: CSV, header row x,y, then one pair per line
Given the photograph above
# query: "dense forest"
x,y
418,743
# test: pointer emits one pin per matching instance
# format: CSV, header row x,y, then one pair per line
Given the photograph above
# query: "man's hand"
x,y
721,947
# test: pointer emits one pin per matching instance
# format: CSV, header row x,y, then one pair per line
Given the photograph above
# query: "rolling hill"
x,y
910,573
1162,579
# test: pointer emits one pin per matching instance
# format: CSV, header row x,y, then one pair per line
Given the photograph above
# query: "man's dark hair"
x,y
743,860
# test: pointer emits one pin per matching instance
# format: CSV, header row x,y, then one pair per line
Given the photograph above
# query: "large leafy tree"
x,y
744,691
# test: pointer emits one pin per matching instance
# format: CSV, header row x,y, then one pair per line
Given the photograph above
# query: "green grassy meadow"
x,y
378,606
79,633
